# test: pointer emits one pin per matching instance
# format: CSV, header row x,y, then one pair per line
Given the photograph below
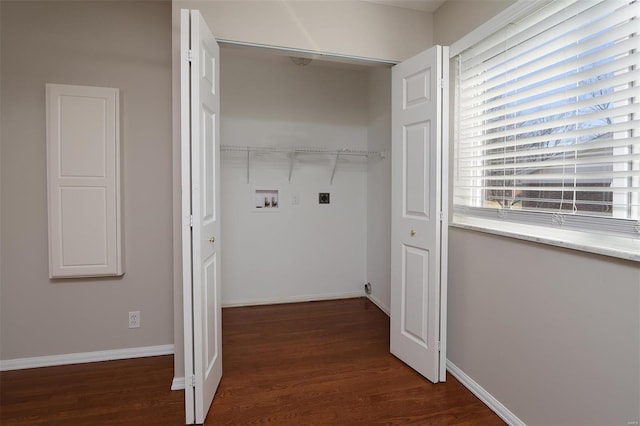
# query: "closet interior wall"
x,y
379,188
301,250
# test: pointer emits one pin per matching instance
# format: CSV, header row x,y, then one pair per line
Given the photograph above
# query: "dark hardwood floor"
x,y
125,392
312,363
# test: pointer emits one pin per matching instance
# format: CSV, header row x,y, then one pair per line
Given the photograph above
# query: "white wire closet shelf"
x,y
294,152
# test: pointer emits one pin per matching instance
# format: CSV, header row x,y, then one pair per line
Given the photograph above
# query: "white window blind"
x,y
546,119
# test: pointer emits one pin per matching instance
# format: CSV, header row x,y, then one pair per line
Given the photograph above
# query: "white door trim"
x,y
444,205
185,158
292,51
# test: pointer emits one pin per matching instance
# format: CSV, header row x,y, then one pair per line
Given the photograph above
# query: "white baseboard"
x,y
83,357
484,396
177,383
379,304
291,299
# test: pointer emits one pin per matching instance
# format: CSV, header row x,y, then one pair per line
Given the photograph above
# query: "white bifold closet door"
x,y
419,218
200,148
419,94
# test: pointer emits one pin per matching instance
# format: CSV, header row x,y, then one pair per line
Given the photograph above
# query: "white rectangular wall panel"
x,y
83,181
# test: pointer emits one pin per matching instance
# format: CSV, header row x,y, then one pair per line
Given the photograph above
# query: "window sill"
x,y
620,247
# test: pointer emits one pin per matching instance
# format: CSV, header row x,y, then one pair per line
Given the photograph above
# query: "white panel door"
x,y
201,207
418,220
83,165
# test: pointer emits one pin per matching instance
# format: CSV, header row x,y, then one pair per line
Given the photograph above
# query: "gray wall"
x,y
345,27
456,18
553,334
115,44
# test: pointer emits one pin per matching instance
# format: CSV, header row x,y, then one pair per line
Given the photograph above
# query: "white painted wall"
x,y
304,251
343,27
552,333
379,187
112,44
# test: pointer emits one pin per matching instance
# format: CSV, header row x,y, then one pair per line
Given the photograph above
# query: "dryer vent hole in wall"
x,y
367,288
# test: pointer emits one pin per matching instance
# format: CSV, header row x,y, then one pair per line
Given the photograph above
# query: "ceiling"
x,y
428,6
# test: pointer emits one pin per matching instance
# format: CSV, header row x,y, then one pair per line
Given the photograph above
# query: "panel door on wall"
x,y
83,176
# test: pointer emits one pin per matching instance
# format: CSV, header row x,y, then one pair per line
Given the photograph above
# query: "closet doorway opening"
x,y
289,245
305,178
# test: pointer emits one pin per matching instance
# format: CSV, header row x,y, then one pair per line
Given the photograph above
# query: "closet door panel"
x,y
418,216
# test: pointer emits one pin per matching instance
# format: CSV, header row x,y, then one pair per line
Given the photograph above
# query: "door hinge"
x,y
441,216
443,80
191,221
193,381
438,346
189,55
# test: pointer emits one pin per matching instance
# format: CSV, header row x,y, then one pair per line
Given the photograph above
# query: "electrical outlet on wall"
x,y
134,319
324,198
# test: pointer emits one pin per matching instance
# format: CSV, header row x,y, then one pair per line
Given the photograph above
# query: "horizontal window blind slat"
x,y
575,54
631,125
603,72
524,29
524,100
546,197
525,26
617,96
533,97
559,41
547,163
527,200
542,200
554,188
595,144
582,69
558,127
541,177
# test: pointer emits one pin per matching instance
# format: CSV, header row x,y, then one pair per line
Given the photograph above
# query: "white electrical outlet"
x,y
134,319
295,198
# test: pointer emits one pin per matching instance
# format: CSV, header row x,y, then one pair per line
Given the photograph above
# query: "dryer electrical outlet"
x,y
324,198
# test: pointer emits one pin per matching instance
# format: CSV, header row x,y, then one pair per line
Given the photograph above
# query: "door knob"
x,y
212,240
413,232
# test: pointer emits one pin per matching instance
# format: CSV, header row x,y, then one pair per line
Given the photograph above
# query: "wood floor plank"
x,y
133,391
315,363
